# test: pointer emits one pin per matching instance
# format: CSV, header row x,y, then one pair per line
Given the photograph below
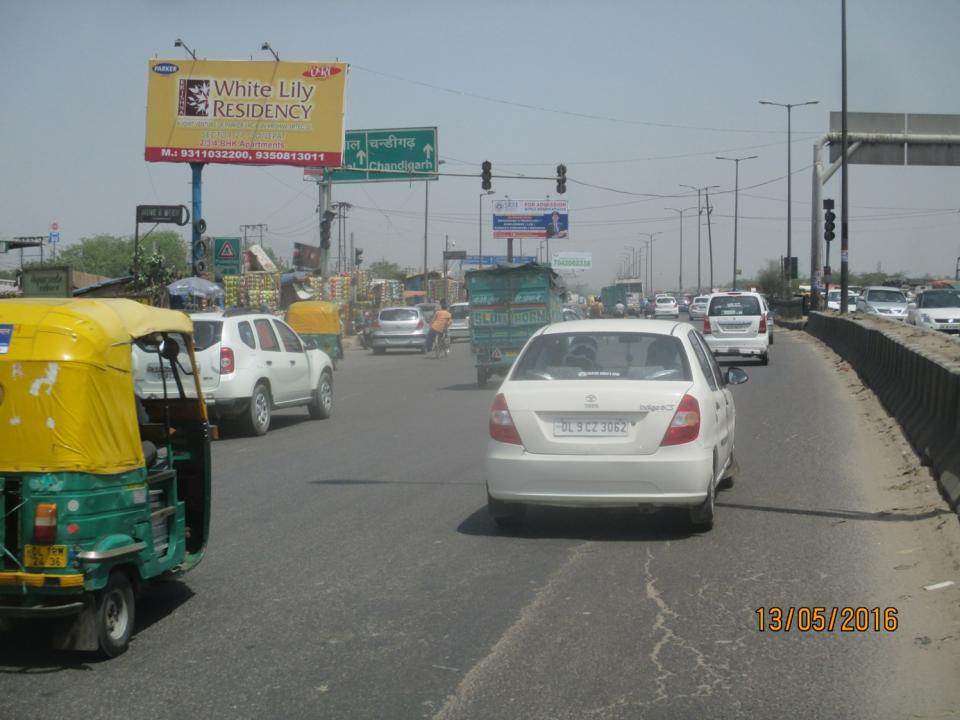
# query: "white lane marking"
x,y
939,586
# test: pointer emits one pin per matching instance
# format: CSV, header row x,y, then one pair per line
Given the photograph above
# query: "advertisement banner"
x,y
306,256
572,261
498,259
245,112
541,219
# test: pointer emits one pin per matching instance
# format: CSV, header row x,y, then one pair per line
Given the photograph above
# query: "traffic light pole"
x,y
844,236
196,173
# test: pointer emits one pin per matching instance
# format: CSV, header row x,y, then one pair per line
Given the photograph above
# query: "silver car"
x,y
884,302
460,322
698,308
399,327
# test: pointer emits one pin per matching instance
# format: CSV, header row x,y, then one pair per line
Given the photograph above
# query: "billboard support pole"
x,y
196,172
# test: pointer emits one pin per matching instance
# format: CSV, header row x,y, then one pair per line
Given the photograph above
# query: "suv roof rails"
x,y
234,311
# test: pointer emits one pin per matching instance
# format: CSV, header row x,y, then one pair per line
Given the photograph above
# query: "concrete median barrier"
x,y
915,373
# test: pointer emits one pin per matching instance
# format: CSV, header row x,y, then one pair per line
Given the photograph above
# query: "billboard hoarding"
x,y
306,256
245,112
538,219
569,260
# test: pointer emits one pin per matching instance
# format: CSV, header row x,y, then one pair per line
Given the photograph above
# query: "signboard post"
x,y
227,259
388,155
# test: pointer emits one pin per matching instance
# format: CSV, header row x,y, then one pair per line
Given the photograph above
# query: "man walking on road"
x,y
438,326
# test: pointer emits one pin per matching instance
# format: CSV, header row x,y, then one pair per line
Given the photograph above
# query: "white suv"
x,y
250,364
736,323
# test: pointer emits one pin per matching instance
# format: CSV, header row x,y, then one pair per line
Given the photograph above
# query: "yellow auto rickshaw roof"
x,y
67,399
314,316
82,330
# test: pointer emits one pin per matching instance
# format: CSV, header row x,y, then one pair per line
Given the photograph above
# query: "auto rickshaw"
x,y
318,322
100,492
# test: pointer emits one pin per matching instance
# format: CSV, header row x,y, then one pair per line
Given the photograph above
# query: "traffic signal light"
x,y
561,179
828,226
328,216
790,268
357,257
486,175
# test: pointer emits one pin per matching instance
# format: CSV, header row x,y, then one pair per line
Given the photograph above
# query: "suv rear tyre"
x,y
257,418
321,407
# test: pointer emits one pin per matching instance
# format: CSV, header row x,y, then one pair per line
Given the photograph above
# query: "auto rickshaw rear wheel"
x,y
115,615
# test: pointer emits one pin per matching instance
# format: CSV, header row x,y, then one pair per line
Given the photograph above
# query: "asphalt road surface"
x,y
353,573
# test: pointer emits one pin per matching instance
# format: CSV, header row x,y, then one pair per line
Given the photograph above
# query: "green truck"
x,y
507,305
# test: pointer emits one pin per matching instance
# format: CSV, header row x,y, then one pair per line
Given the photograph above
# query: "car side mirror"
x,y
736,376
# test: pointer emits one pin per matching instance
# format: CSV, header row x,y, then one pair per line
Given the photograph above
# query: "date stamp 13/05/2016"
x,y
847,619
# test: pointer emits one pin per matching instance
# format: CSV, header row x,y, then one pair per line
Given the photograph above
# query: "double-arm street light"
x,y
681,211
707,189
736,202
789,107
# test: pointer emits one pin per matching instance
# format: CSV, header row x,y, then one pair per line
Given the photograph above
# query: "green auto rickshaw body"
x,y
79,499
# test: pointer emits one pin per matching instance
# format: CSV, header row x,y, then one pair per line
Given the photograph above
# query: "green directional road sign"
x,y
226,256
388,155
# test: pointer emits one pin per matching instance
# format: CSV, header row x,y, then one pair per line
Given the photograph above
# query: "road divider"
x,y
915,373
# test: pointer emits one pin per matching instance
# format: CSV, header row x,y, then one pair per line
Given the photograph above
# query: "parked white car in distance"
x,y
250,364
936,309
885,302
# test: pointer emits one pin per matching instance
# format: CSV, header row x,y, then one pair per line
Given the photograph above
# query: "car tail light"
x,y
763,325
45,523
502,428
706,326
420,324
685,426
227,364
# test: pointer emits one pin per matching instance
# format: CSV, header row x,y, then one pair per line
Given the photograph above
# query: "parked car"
x,y
250,365
885,302
666,307
608,413
936,310
400,327
698,308
736,324
833,300
460,323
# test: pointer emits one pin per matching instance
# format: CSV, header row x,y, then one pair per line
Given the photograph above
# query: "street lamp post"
x,y
789,107
705,188
681,212
480,229
736,203
649,243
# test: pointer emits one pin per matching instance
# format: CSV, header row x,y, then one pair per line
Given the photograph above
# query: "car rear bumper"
x,y
399,341
671,476
458,333
744,347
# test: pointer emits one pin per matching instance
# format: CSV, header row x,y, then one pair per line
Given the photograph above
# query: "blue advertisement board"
x,y
498,259
538,219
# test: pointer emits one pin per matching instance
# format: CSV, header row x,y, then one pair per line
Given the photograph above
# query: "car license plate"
x,y
45,556
568,427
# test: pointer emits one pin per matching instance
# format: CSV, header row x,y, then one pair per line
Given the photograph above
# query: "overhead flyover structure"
x,y
878,139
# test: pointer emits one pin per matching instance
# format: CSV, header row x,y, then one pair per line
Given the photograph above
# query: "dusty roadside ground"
x,y
928,548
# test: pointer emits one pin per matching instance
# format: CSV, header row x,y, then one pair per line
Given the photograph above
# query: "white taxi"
x,y
737,323
612,413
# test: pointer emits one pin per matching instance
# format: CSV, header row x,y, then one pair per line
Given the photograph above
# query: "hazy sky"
x,y
73,93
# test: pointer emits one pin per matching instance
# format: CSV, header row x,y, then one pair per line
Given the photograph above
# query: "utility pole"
x,y
709,210
649,242
705,188
681,212
351,257
844,235
258,227
736,203
426,220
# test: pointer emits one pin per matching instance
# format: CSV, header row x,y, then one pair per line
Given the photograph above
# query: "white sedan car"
x,y
937,309
612,413
666,307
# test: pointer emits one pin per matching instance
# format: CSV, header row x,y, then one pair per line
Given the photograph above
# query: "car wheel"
x,y
701,517
765,359
114,615
321,407
257,418
506,514
733,469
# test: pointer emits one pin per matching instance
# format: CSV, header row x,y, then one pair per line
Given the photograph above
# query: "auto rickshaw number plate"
x,y
45,556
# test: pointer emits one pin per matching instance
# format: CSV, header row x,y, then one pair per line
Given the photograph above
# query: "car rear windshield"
x,y
891,296
397,315
206,333
734,305
700,300
665,301
603,356
459,312
945,299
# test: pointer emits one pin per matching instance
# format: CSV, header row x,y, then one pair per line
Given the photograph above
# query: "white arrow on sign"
x,y
361,157
428,150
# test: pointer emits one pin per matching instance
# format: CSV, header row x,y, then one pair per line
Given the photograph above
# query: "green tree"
x,y
768,279
385,270
112,255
